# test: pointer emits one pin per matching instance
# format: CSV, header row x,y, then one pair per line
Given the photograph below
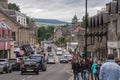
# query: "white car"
x,y
5,66
51,60
59,51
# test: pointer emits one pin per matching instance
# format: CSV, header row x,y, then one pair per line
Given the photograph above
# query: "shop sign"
x,y
112,45
16,49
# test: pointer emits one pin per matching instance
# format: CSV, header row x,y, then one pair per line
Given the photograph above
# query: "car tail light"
x,y
18,62
36,65
22,66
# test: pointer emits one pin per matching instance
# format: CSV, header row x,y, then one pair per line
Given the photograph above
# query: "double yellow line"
x,y
71,73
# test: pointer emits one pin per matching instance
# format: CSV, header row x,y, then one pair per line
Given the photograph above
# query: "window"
x,y
3,33
14,36
8,34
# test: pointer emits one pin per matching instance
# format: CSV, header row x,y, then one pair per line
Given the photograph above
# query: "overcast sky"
x,y
59,9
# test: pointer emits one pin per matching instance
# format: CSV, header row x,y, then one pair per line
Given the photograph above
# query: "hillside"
x,y
49,21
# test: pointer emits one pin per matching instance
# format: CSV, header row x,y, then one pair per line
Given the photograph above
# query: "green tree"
x,y
41,33
44,33
13,6
74,19
84,21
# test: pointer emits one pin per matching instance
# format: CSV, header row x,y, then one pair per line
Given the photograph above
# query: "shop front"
x,y
113,48
4,49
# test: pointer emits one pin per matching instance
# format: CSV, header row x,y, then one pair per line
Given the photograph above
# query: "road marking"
x,y
70,72
27,77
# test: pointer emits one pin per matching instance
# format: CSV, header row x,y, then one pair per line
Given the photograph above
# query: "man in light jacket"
x,y
110,70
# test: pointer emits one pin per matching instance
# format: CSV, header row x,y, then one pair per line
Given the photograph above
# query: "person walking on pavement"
x,y
109,70
76,68
94,71
98,69
84,70
90,65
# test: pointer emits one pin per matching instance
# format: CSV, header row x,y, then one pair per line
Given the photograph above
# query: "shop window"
x,y
3,33
14,36
115,52
8,34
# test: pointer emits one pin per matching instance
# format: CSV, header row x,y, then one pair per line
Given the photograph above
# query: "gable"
x,y
9,22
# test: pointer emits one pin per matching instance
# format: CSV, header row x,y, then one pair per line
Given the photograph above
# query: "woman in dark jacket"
x,y
84,70
76,69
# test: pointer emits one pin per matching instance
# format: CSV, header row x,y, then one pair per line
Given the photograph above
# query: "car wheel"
x,y
10,71
37,73
21,72
44,69
7,71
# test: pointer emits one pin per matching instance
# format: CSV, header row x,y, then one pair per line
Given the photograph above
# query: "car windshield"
x,y
51,55
30,62
36,57
2,60
59,50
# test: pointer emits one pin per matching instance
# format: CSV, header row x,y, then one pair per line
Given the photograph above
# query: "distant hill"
x,y
49,21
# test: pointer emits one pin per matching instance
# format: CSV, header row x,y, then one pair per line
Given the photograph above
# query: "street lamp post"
x,y
86,24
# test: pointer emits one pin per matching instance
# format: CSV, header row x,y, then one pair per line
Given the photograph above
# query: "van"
x,y
59,51
41,60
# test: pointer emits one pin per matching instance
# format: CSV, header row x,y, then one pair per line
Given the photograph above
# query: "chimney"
x,y
4,4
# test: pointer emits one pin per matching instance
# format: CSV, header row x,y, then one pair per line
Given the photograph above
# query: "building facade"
x,y
23,31
103,31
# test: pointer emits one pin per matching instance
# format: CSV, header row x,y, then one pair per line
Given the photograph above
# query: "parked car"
x,y
5,66
63,60
30,65
68,56
50,60
41,60
13,62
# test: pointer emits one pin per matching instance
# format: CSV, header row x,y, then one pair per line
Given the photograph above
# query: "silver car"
x,y
5,66
51,60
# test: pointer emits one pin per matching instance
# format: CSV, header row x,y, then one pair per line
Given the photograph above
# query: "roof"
x,y
5,26
7,14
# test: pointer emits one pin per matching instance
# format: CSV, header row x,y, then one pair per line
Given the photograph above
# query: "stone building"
x,y
57,33
103,31
23,29
4,4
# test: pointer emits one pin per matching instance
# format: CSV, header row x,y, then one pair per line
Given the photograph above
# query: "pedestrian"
x,y
94,71
98,69
76,68
117,60
90,65
84,70
110,70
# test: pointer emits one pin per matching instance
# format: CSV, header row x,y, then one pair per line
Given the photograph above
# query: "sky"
x,y
59,9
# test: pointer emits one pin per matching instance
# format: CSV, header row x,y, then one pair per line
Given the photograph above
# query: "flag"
x,y
74,54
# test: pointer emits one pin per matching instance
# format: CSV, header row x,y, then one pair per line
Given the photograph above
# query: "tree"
x,y
44,33
41,33
13,6
74,20
84,21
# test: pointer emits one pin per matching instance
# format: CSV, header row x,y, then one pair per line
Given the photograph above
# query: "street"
x,y
54,72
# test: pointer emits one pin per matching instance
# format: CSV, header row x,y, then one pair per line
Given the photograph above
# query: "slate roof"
x,y
12,18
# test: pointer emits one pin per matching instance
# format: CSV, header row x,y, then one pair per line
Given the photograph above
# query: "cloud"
x,y
59,9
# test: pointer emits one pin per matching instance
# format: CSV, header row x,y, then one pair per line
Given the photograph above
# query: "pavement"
x,y
71,73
